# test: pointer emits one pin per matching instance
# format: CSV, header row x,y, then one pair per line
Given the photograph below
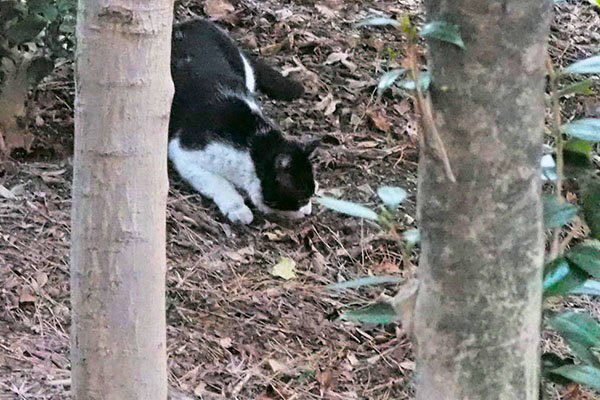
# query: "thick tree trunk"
x,y
478,310
124,92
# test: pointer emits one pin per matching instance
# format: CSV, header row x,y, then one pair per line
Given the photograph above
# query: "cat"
x,y
219,138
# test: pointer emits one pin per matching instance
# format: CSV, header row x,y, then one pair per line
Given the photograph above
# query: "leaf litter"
x,y
236,331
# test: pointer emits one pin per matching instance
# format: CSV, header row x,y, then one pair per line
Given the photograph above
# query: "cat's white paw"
x,y
242,214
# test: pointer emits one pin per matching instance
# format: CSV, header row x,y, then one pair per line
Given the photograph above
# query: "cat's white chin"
x,y
301,213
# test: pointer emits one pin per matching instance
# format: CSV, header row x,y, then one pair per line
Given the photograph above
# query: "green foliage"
x,y
590,199
348,207
444,31
371,280
557,214
584,374
388,80
586,129
588,66
590,287
583,87
378,313
424,81
582,334
391,196
380,21
587,257
561,278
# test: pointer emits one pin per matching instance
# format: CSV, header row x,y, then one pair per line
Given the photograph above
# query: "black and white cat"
x,y
219,139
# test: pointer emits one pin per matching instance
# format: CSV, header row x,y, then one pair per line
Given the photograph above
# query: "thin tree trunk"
x,y
123,98
478,310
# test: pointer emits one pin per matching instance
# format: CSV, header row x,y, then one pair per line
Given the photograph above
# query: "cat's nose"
x,y
306,210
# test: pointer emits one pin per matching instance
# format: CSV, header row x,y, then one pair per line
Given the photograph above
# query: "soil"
x,y
235,330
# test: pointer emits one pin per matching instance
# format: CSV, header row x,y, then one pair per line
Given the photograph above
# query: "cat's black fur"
x,y
214,103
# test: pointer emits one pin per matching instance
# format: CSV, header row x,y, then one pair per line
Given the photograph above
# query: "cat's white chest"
x,y
231,164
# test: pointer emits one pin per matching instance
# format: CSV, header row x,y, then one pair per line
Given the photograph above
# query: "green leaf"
x,y
409,84
595,3
561,278
38,69
581,332
392,196
371,280
444,31
583,374
552,361
588,66
557,214
412,236
388,80
587,257
379,21
348,207
378,313
590,200
586,129
27,29
589,287
577,153
583,87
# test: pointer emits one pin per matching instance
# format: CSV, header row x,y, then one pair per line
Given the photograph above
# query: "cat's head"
x,y
286,175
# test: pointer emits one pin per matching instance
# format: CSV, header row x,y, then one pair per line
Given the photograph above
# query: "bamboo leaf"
x,y
561,278
557,214
444,31
388,80
583,87
371,280
348,207
587,257
392,196
589,287
590,199
583,374
581,332
378,313
378,21
409,84
586,129
588,66
412,236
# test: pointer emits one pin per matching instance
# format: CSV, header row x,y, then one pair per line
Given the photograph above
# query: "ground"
x,y
235,331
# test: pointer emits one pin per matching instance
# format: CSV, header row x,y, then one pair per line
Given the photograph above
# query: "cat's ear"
x,y
283,161
311,146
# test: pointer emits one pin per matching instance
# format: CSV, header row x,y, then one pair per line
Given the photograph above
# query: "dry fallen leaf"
x,y
379,120
386,267
219,10
285,268
325,378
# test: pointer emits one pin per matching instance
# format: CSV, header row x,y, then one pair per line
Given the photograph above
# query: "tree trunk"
x,y
123,99
478,310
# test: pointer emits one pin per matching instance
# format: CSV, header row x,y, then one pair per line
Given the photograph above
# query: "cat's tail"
x,y
273,83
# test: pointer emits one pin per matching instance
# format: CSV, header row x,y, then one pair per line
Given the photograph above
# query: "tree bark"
x,y
123,98
478,309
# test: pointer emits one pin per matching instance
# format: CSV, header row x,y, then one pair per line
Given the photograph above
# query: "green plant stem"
x,y
556,121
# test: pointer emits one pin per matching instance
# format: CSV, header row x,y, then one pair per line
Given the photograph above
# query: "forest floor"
x,y
236,331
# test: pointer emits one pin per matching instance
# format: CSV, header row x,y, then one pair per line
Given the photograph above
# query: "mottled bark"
x,y
123,98
478,310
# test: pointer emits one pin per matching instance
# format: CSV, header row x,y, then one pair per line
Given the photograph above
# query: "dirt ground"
x,y
235,331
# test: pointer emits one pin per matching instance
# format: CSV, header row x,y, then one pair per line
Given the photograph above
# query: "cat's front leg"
x,y
224,194
220,190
